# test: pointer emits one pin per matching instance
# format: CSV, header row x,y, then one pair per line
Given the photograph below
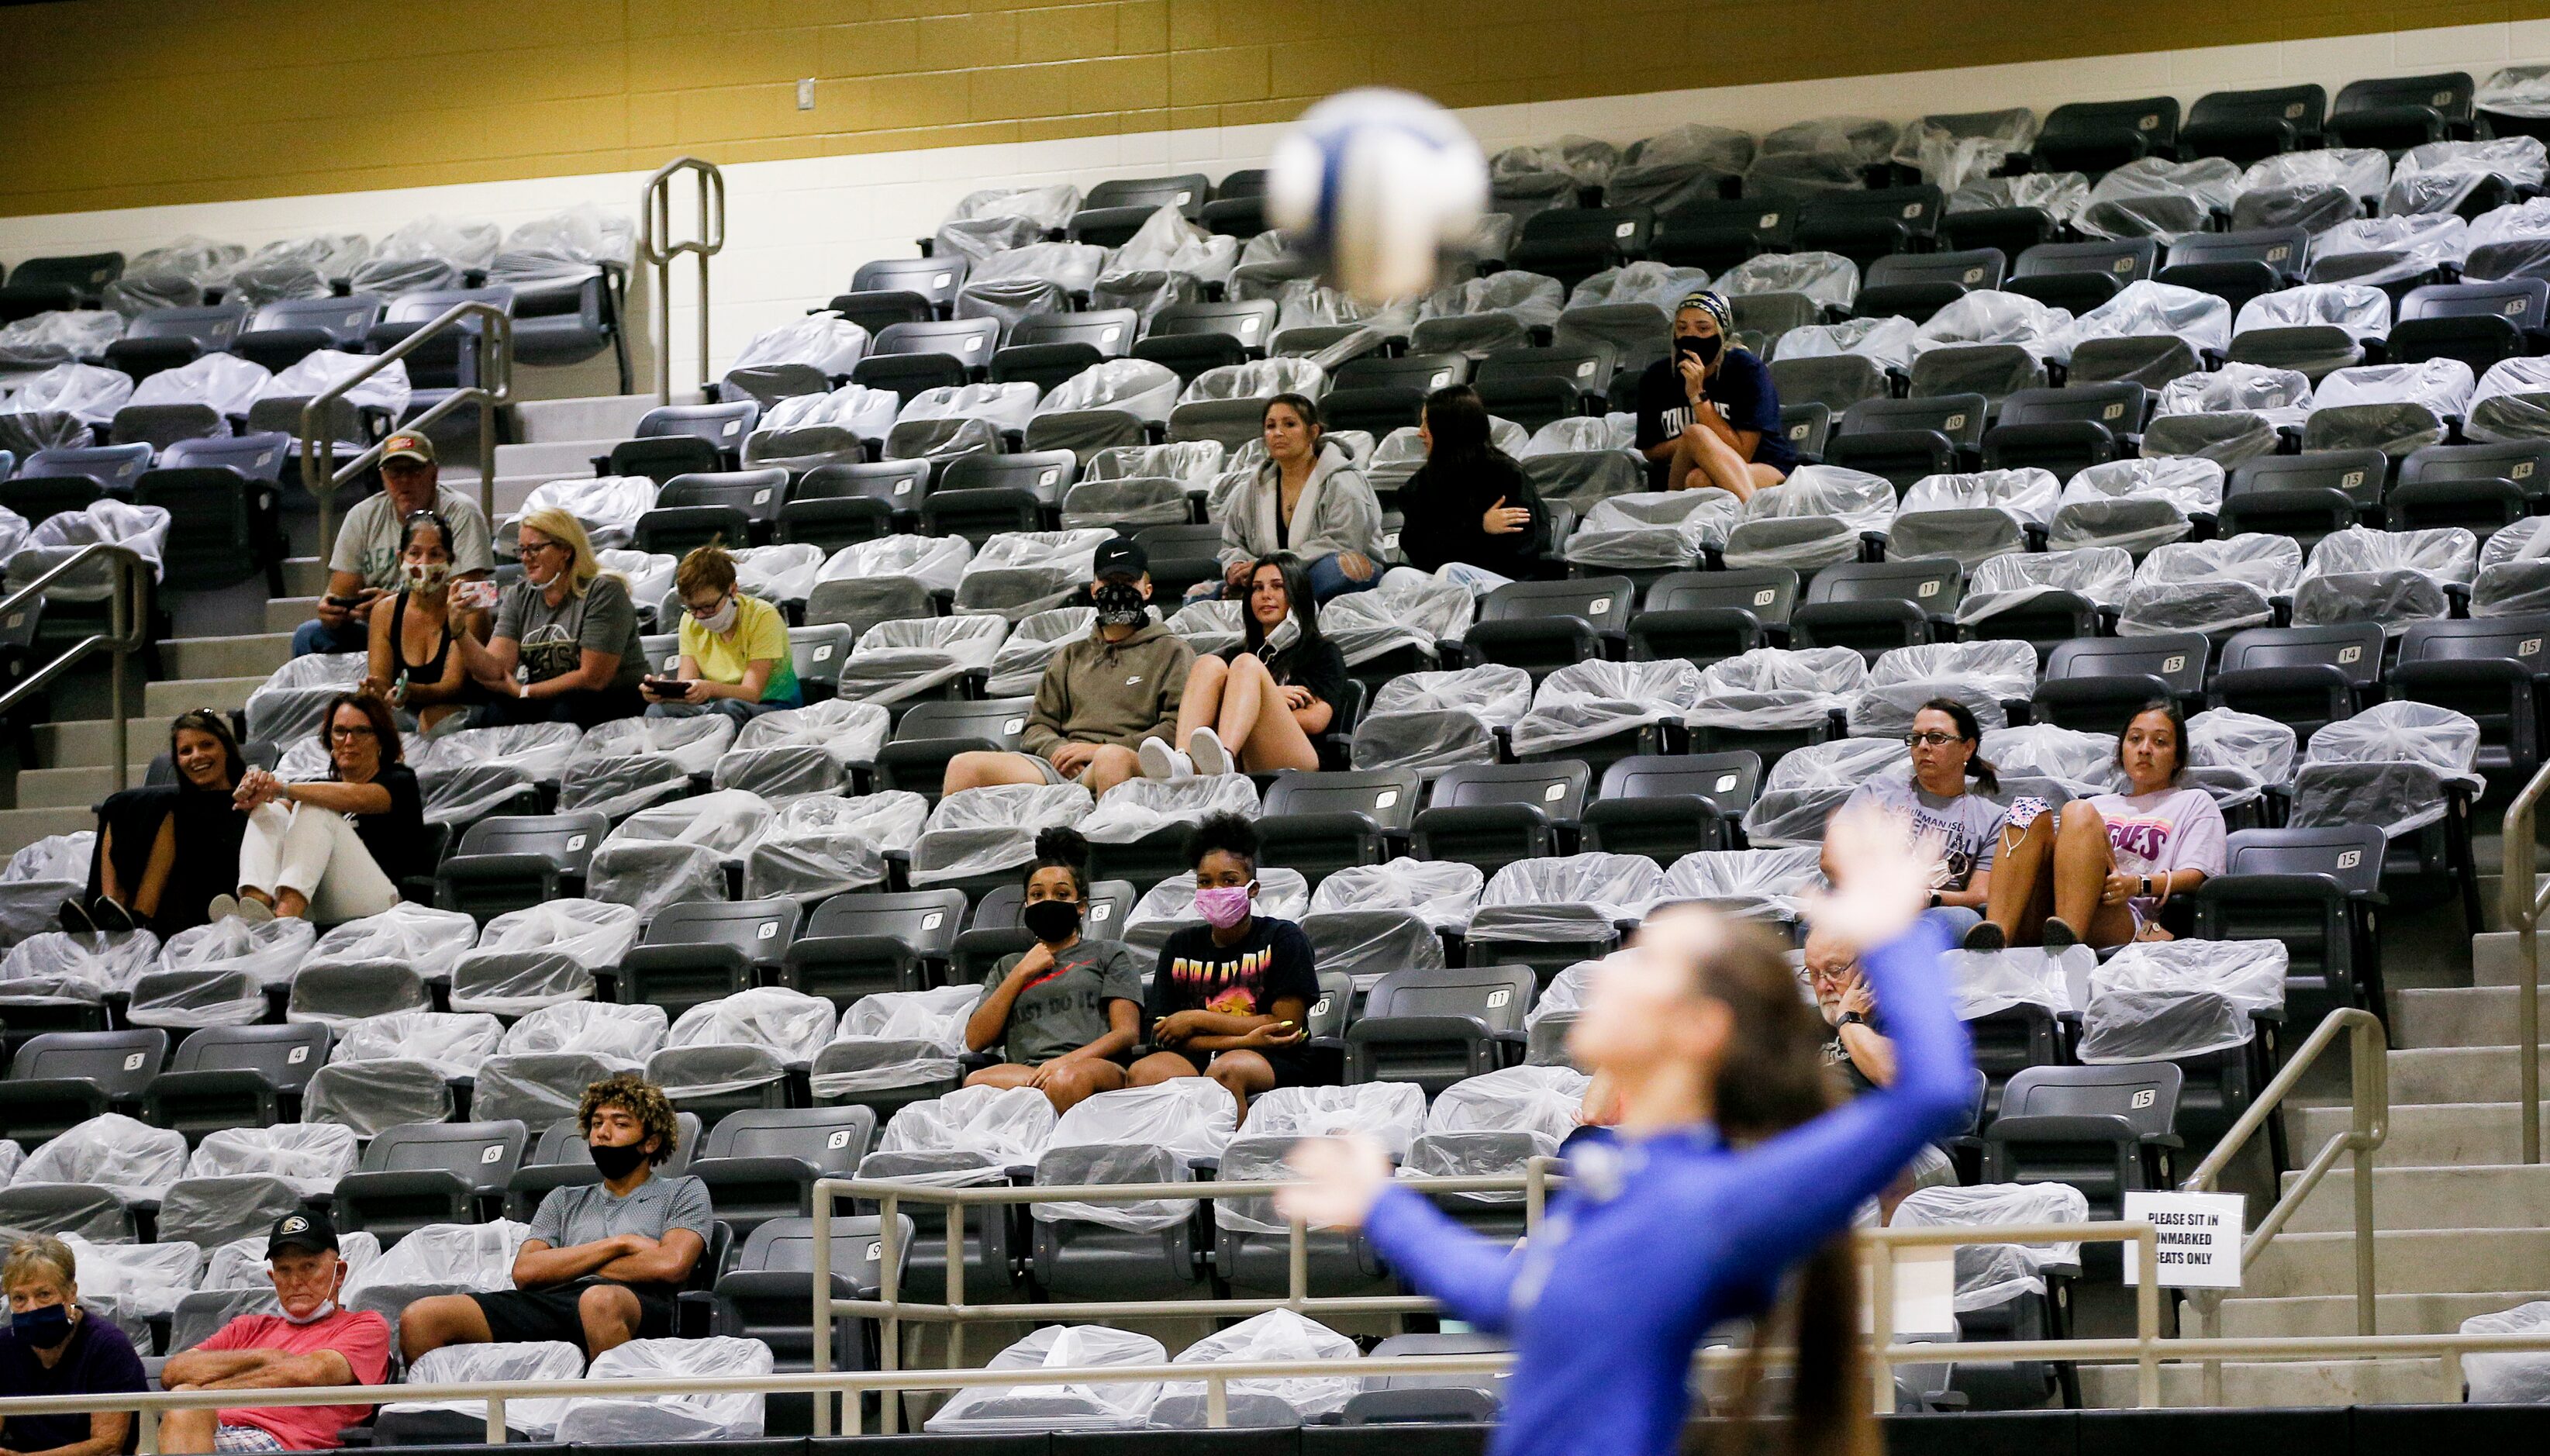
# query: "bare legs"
x,y
1242,1073
1243,705
2051,869
984,768
1069,1083
1705,453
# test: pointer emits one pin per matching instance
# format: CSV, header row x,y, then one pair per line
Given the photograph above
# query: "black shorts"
x,y
524,1315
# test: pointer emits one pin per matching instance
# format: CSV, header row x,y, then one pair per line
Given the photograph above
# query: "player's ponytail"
x,y
1775,1077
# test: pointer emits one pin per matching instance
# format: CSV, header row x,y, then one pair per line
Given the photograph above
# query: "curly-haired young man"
x,y
604,1260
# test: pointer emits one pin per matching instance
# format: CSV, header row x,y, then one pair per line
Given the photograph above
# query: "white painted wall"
x,y
797,228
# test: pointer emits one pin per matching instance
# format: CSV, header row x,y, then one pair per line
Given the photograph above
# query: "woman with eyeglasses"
x,y
413,665
565,646
734,647
1936,798
332,850
164,851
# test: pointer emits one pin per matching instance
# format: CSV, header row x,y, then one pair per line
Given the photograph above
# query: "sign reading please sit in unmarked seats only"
x,y
2199,1235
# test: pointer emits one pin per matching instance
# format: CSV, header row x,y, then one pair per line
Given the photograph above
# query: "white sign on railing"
x,y
2199,1236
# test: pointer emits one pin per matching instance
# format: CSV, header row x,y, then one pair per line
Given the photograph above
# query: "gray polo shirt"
x,y
569,1217
368,539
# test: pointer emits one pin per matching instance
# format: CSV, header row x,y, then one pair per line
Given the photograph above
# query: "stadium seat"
x,y
282,334
1907,439
2106,1130
2080,277
1716,233
696,951
2490,669
1916,285
862,941
995,930
1665,805
2317,890
932,733
164,338
2099,684
513,863
1570,244
2239,266
2066,431
2304,676
1434,1027
1705,617
1320,822
762,1165
557,1158
1544,626
430,1173
2245,126
236,1077
2097,136
60,1080
2396,113
1491,814
1864,226
936,279
1873,607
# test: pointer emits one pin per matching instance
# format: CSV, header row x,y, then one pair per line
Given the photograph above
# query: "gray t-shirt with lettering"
x,y
368,539
1968,826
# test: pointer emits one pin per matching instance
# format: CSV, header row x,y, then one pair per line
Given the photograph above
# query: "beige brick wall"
x,y
137,103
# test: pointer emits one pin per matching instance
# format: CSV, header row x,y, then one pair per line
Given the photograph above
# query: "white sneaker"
x,y
255,912
1204,747
1159,759
221,908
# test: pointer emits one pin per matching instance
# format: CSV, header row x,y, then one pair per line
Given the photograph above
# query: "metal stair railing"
x,y
320,473
2521,902
656,249
127,632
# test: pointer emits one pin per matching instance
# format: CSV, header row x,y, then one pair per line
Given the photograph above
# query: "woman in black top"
x,y
332,850
1255,707
164,853
413,665
1707,413
1470,502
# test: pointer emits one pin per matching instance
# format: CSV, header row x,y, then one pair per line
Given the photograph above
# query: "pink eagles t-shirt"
x,y
2158,832
361,1336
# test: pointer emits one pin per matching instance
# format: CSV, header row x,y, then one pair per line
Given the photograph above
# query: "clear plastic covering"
x,y
1571,434
1392,1113
968,1136
1036,1408
1746,882
896,1038
742,1042
270,951
2279,396
465,774
1972,518
141,530
2510,1374
380,1092
1808,784
226,383
1434,721
2394,408
132,1284
1532,300
126,1156
1828,278
1992,1274
2393,577
2439,176
1813,519
1021,282
322,369
608,507
822,845
779,574
2084,763
1982,675
1987,981
624,764
541,1360
2009,582
1567,897
1495,1123
1586,702
2388,765
1277,1334
2143,308
1992,315
1407,608
2059,195
2361,309
624,1034
2161,999
1775,688
2154,197
720,1416
1257,379
1019,667
1653,531
1951,149
1138,387
39,876
1141,1134
804,431
2513,575
311,1156
1891,340
2210,586
2511,402
888,577
547,953
453,1043
1441,893
1822,154
1142,806
1660,284
1018,573
287,706
439,1258
1048,207
915,657
2389,249
1167,261
824,340
58,337
980,832
79,967
678,851
188,999
2259,749
2360,171
89,391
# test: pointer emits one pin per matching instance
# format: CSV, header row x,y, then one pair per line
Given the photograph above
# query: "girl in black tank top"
x,y
433,687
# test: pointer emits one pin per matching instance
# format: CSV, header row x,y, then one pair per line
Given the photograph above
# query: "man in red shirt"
x,y
314,1341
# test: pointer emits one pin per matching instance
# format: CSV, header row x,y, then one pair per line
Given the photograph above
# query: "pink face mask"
x,y
1223,906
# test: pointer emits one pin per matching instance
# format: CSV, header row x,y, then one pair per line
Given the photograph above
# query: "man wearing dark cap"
x,y
365,562
1102,694
314,1341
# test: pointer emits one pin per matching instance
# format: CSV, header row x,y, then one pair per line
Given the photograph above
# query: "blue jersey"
x,y
1655,1240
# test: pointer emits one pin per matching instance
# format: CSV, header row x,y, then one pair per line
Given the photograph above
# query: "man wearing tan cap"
x,y
365,563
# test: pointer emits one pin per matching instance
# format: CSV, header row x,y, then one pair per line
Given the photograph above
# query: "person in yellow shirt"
x,y
734,647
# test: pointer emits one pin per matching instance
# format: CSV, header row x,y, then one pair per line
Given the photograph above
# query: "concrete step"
x,y
162,701
2466,1015
2457,1074
19,827
90,744
305,576
2431,1136
2505,1195
2405,1261
2493,958
2279,1382
286,613
512,490
552,461
67,788
2317,1314
594,417
233,656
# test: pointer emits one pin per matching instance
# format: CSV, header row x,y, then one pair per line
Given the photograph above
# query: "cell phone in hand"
x,y
665,687
348,603
474,595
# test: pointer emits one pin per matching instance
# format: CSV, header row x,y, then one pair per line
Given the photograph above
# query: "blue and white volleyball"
x,y
1379,182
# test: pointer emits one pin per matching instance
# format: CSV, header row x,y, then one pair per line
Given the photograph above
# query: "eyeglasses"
x,y
526,548
341,733
1931,740
704,613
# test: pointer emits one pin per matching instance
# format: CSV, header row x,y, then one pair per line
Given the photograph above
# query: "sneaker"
x,y
1985,935
222,907
75,918
1159,759
111,916
1204,747
2059,935
255,912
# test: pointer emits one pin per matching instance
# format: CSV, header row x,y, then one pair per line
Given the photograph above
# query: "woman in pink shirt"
x,y
2099,872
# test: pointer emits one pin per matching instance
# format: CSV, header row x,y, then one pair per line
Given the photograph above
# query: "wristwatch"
x,y
1850,1019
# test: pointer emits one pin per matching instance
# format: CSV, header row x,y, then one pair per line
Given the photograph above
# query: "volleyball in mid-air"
x,y
1379,182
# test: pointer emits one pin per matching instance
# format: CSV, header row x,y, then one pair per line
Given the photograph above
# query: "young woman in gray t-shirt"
x,y
1945,738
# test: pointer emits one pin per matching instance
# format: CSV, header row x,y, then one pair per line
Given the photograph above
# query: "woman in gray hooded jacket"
x,y
1306,500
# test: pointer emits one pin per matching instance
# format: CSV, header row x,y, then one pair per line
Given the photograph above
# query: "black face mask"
x,y
618,1162
1118,603
1050,920
1703,349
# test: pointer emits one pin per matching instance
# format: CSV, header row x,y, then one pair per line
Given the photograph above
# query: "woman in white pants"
x,y
332,850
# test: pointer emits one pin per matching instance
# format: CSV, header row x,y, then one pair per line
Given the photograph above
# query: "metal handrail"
x,y
127,633
319,472
2522,904
654,249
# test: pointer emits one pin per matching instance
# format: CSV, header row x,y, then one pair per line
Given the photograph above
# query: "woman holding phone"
x,y
413,665
1707,413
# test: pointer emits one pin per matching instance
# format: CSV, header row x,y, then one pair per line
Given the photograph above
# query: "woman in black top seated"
x,y
413,663
164,851
1707,413
1256,707
1470,502
335,850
